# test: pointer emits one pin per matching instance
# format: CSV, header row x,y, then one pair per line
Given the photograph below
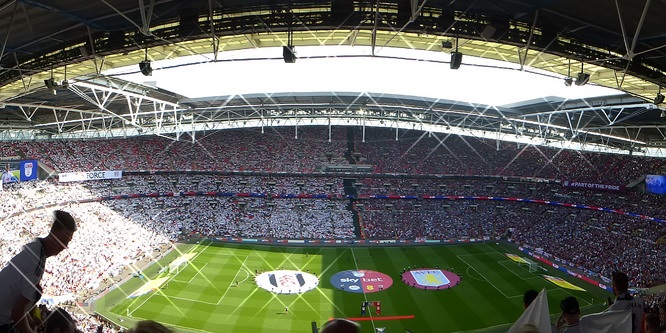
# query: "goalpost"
x,y
532,266
181,262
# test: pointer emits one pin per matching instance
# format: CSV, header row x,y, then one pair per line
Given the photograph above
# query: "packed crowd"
x,y
176,183
106,244
277,149
174,217
114,234
308,149
575,235
629,201
581,238
240,217
421,153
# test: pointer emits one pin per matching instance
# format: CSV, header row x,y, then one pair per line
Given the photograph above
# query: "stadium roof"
x,y
621,44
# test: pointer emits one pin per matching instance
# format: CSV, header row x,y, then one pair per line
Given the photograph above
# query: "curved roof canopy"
x,y
621,44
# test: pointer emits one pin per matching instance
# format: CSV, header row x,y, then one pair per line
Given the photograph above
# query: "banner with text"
x,y
92,175
593,186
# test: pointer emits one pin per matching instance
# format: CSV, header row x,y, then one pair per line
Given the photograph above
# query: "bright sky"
x,y
500,84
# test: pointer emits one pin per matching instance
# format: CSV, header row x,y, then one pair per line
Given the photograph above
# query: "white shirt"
x,y
571,329
634,304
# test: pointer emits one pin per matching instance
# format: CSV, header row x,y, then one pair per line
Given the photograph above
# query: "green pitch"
x,y
216,291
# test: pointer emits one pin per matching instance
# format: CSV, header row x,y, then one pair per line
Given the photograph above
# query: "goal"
x,y
531,265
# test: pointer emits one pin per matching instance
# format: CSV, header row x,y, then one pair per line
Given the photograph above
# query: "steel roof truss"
x,y
663,136
9,29
523,56
630,52
28,117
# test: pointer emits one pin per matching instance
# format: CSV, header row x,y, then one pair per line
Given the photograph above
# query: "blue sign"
x,y
29,170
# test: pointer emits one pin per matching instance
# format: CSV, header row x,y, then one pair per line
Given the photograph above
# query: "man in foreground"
x,y
21,278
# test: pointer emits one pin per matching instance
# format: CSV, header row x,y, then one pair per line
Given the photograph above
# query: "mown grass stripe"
x,y
489,295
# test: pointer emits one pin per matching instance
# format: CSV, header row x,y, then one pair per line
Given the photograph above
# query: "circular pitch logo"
x,y
287,281
430,278
361,281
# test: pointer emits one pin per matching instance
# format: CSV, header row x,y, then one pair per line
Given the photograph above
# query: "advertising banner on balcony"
x,y
92,175
593,186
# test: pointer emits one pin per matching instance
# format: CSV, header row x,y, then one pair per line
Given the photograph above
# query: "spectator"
x,y
529,296
21,279
59,321
149,326
568,321
624,301
651,323
340,326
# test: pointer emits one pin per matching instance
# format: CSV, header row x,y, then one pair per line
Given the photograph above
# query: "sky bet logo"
x,y
361,281
345,280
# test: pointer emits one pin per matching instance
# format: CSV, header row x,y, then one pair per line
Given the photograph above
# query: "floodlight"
x,y
51,85
659,98
582,79
145,68
289,54
456,59
288,51
568,80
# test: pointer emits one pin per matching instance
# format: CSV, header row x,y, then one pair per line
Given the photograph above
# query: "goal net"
x,y
531,265
177,265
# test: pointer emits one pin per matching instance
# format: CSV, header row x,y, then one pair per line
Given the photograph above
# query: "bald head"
x,y
619,282
60,321
150,326
341,326
62,231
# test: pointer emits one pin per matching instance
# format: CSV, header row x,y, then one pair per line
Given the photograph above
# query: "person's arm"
x,y
559,325
34,319
20,315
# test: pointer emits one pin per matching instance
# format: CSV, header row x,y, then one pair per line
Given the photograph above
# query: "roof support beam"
x,y
146,16
141,29
591,108
630,52
374,28
9,29
98,68
523,57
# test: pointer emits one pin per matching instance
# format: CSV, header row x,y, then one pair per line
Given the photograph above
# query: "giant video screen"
x,y
15,171
655,184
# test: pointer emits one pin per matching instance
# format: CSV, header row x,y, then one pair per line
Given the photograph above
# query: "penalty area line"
x,y
380,318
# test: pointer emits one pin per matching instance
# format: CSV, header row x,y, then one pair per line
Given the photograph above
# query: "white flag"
x,y
537,314
607,321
